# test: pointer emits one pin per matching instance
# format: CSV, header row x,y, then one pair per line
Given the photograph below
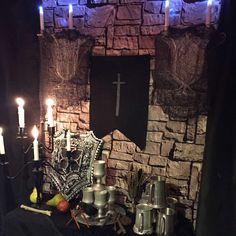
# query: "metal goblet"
x,y
111,195
99,172
100,202
88,195
99,169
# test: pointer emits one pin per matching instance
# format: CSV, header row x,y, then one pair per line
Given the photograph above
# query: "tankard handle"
x,y
141,219
152,191
163,225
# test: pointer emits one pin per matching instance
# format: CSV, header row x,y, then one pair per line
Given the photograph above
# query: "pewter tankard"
x,y
157,197
143,219
165,222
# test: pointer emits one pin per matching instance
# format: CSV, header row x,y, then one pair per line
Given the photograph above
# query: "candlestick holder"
x,y
38,165
38,181
3,161
69,156
21,133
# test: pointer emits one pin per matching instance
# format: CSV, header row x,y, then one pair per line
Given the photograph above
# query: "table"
x,y
25,223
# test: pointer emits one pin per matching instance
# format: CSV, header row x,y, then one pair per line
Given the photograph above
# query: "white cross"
x,y
118,83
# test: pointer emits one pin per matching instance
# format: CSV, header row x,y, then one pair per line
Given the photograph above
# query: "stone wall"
x,y
174,147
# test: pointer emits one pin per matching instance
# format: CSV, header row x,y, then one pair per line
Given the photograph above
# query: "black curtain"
x,y
19,76
217,202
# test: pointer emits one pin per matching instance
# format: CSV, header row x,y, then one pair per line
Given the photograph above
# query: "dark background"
x,y
19,76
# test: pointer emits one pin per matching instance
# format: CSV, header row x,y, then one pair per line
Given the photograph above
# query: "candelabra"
x,y
39,161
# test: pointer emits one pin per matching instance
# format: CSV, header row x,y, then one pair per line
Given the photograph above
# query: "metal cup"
x,y
88,195
157,197
100,202
111,194
100,198
143,219
165,222
99,168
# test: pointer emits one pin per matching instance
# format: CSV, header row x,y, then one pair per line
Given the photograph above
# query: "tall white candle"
x,y
49,103
68,144
167,14
208,16
70,19
35,133
21,112
2,147
41,19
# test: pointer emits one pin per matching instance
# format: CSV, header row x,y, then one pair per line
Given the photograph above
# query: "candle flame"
x,y
49,102
167,3
70,8
20,102
35,132
40,9
1,130
209,2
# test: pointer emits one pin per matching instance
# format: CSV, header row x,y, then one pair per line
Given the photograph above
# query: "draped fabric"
x,y
18,77
217,202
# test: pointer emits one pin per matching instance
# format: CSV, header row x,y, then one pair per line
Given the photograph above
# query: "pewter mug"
x,y
165,222
88,195
157,197
143,219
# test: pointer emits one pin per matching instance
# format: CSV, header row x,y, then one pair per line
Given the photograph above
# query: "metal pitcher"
x,y
157,197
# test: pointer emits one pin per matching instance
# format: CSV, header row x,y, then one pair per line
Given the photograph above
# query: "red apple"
x,y
63,206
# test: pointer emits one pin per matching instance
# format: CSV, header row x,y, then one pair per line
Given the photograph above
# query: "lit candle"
x,y
208,16
68,146
41,19
35,133
21,112
2,148
49,103
166,14
70,19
